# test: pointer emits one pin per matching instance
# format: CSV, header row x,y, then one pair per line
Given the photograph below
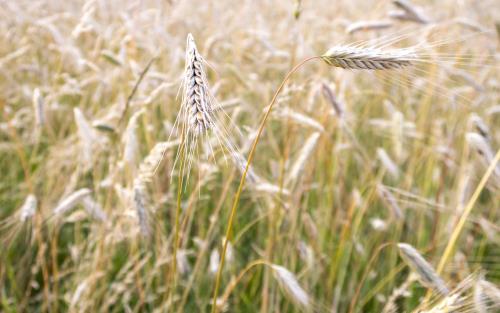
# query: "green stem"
x,y
178,213
243,178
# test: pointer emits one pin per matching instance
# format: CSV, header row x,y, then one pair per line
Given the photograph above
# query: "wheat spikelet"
x,y
426,274
350,57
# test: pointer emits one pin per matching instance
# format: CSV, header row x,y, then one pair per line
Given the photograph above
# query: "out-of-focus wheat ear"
x,y
338,106
214,261
304,154
391,202
478,124
129,139
485,155
358,58
426,273
144,176
401,291
71,201
141,201
94,209
28,209
486,297
388,163
292,288
87,138
368,25
39,112
408,12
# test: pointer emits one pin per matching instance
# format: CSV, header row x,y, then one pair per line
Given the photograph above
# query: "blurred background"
x,y
350,162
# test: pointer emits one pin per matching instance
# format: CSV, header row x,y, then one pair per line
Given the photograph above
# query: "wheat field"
x,y
249,156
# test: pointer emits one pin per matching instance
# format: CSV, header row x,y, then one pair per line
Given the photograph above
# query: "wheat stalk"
x,y
350,57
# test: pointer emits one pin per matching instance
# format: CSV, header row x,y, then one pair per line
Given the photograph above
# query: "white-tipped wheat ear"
x,y
71,201
197,114
291,286
427,276
366,58
197,102
28,208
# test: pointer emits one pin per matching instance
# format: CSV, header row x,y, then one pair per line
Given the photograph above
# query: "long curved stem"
x,y
244,175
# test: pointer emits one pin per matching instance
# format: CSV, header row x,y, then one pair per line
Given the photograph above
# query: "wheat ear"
x,y
357,58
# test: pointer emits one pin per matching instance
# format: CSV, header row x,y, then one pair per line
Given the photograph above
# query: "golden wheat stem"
x,y
243,177
178,212
466,213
